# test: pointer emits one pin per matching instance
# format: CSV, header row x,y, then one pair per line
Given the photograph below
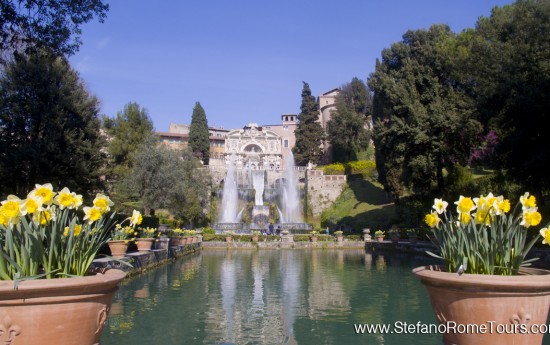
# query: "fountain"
x,y
287,194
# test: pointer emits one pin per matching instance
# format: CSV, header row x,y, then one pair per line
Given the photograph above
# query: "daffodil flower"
x,y
440,206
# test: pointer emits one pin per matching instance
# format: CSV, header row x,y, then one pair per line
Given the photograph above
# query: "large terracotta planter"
x,y
339,238
255,238
494,305
117,247
313,238
144,244
64,311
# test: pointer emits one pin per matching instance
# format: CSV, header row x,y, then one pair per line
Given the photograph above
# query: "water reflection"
x,y
269,297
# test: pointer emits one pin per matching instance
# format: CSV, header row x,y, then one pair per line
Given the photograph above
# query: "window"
x,y
285,143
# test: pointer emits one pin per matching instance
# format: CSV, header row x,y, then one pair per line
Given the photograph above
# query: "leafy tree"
x,y
423,120
171,179
199,136
347,130
126,133
31,25
309,133
508,67
49,127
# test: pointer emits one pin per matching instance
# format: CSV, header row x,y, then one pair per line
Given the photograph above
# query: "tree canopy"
x,y
423,120
199,136
165,178
32,25
347,128
309,133
49,127
126,133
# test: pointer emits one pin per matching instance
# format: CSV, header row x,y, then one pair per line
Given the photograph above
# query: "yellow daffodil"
x,y
528,201
481,216
504,205
465,205
531,218
33,203
464,218
64,198
545,233
13,208
432,219
440,206
3,219
44,217
45,192
77,200
92,214
103,203
136,218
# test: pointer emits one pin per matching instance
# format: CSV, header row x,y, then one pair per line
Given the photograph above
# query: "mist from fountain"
x,y
230,196
290,200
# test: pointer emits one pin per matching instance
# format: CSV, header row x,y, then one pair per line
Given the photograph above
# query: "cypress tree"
x,y
199,141
309,133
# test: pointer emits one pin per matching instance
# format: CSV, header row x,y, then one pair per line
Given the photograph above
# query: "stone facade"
x,y
254,148
323,189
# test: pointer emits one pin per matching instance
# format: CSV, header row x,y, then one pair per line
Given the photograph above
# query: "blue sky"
x,y
245,60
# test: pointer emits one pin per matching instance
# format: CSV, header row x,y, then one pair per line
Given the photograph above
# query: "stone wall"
x,y
323,189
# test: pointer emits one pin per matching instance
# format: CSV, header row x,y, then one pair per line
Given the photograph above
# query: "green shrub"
x,y
354,238
334,169
208,230
301,238
362,167
213,238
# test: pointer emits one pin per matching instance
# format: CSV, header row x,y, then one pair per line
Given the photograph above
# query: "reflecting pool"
x,y
272,297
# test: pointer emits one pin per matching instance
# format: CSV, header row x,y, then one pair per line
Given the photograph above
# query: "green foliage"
x,y
208,230
346,128
199,141
423,118
127,132
334,169
509,74
170,179
309,133
38,24
49,127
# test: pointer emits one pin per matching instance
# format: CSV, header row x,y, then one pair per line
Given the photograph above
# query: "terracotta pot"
x,y
313,238
228,239
494,305
189,240
380,238
144,244
117,247
255,238
340,238
64,311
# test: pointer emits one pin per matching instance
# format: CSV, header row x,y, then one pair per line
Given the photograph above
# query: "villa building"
x,y
255,144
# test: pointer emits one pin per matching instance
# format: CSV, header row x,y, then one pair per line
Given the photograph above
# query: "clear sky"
x,y
245,60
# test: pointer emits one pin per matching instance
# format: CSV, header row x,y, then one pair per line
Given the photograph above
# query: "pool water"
x,y
273,297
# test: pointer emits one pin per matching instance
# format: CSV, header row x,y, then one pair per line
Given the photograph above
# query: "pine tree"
x,y
309,133
49,127
199,141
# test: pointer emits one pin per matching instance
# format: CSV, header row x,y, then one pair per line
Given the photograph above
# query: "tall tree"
x,y
511,79
126,133
49,126
309,133
347,128
199,136
423,120
165,178
31,25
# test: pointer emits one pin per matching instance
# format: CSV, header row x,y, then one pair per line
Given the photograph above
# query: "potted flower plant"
x,y
255,235
483,280
146,238
189,235
394,234
379,234
47,249
313,235
339,235
229,236
176,237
